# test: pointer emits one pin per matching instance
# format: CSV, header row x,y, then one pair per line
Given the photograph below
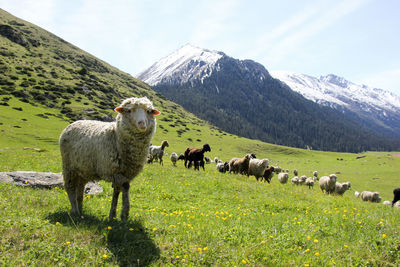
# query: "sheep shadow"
x,y
127,241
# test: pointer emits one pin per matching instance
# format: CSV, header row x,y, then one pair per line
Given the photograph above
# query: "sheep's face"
x,y
206,147
139,112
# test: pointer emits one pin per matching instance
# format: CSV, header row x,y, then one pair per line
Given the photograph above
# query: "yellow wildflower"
x,y
316,254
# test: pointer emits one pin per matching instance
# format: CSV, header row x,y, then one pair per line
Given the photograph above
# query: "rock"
x,y
45,180
11,34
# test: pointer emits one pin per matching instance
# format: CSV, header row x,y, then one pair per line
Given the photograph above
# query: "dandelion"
x,y
131,229
306,265
307,250
333,262
384,236
155,229
315,241
199,249
105,256
316,254
346,246
109,227
67,243
299,247
262,242
57,223
244,261
308,237
205,248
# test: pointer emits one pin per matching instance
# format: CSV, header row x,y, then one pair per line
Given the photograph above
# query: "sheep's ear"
x,y
119,109
156,112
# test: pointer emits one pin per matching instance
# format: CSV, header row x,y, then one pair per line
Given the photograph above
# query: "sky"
x,y
358,40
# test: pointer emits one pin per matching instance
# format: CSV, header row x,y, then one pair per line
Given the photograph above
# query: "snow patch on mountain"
x,y
185,64
332,90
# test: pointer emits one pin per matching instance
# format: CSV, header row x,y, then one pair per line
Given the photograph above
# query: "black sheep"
x,y
396,196
196,155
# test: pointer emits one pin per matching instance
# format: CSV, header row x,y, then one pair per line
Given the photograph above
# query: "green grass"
x,y
179,216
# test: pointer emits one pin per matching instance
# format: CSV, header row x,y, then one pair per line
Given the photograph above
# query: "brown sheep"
x,y
240,165
269,172
196,155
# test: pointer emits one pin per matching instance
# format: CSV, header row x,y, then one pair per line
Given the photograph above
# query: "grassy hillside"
x,y
178,216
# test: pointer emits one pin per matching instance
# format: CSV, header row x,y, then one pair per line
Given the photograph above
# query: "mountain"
x,y
42,69
241,97
376,108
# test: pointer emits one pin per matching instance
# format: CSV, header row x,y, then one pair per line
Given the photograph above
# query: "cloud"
x,y
214,21
290,35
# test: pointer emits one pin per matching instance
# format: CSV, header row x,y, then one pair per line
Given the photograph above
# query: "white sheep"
x,y
302,179
283,177
327,183
112,151
277,169
370,196
357,194
222,167
295,180
174,158
341,188
387,203
310,182
315,176
257,167
157,152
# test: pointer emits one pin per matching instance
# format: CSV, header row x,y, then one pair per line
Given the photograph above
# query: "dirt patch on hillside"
x,y
396,155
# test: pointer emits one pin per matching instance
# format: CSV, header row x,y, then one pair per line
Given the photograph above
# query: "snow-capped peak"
x,y
331,78
333,90
186,63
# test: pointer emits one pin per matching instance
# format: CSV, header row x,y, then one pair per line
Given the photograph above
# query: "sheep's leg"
x,y
125,201
114,202
70,187
79,195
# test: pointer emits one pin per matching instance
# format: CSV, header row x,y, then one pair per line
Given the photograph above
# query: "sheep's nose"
x,y
142,124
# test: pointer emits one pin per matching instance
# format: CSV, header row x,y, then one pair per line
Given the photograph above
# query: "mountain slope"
x,y
241,97
40,68
46,82
377,108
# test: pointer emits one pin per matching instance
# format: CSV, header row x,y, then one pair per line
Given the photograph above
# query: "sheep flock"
x,y
117,151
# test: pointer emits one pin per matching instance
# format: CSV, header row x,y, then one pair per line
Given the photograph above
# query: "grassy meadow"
x,y
186,217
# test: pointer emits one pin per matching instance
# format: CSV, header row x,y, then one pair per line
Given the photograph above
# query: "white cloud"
x,y
213,21
289,36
